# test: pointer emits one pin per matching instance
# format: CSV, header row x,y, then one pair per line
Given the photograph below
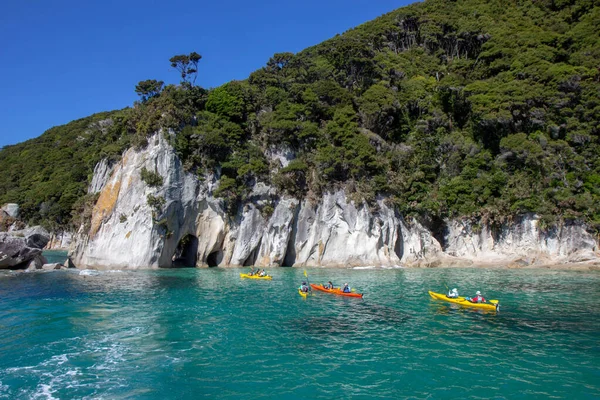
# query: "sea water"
x,y
206,333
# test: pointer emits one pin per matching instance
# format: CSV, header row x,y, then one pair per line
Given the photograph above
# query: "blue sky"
x,y
65,59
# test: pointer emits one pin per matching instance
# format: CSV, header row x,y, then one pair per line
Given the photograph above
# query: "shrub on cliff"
x,y
152,179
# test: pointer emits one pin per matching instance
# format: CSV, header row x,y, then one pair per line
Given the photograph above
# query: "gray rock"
x,y
69,263
12,209
37,262
53,266
19,248
36,237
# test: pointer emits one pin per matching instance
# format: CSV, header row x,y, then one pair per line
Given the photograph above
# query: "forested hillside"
x,y
477,108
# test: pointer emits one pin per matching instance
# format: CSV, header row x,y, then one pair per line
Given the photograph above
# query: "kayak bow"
x,y
267,277
336,291
464,302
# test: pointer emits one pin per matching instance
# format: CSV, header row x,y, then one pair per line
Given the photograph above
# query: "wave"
x,y
89,272
380,267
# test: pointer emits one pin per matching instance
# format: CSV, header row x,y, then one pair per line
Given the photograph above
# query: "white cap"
x,y
478,292
454,290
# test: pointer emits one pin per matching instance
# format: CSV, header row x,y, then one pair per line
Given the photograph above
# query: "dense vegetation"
x,y
476,108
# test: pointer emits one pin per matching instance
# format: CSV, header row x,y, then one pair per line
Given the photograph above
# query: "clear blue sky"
x,y
66,59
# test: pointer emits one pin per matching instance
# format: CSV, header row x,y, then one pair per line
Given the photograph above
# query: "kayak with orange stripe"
x,y
336,291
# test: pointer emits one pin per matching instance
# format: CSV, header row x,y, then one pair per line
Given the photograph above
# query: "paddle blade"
x,y
305,274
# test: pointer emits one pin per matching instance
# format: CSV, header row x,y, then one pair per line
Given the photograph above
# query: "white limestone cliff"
x,y
192,228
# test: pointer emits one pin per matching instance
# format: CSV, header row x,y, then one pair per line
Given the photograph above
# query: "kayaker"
x,y
346,288
303,287
262,273
453,293
478,298
329,285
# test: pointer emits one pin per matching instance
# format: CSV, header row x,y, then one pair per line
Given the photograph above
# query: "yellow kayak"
x,y
464,302
303,294
267,277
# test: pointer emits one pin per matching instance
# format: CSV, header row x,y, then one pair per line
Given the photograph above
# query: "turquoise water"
x,y
208,334
55,256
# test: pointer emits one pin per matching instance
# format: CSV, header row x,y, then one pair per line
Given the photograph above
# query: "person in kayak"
x,y
452,294
303,287
346,288
478,298
329,285
262,273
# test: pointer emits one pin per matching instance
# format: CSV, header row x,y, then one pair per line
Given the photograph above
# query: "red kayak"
x,y
337,291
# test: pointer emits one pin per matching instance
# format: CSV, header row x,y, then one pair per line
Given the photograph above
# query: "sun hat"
x,y
478,292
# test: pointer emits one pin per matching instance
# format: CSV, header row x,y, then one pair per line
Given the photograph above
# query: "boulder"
x,y
18,249
36,237
12,209
37,262
53,266
69,263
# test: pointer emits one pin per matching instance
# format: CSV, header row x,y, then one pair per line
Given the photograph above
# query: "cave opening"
x,y
186,252
214,258
399,245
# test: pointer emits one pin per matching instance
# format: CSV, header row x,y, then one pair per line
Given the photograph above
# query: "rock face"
x,y
523,238
187,226
11,209
125,231
59,241
23,249
102,172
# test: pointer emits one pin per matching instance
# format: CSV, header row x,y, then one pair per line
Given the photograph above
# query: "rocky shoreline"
x,y
186,225
189,226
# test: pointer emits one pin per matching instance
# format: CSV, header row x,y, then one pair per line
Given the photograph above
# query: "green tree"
x,y
187,65
149,88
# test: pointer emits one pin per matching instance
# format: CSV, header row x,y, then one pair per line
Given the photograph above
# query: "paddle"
x,y
307,281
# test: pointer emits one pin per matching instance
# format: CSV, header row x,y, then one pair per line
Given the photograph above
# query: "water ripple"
x,y
208,334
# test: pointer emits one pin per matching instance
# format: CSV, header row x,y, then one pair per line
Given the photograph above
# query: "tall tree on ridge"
x,y
187,65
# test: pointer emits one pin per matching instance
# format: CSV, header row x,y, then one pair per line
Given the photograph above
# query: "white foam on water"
x,y
18,369
44,392
380,267
58,360
89,272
